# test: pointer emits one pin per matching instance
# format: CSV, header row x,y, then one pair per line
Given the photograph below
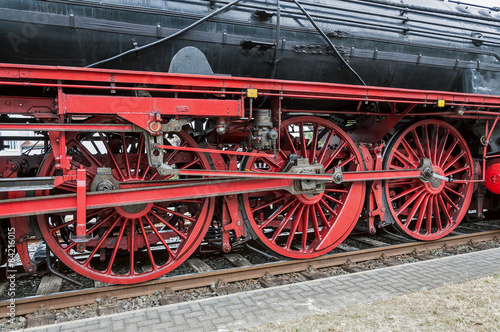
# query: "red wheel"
x,y
127,244
305,226
429,211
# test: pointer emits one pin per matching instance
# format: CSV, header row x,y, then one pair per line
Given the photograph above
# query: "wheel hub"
x,y
134,211
104,180
307,188
435,185
309,199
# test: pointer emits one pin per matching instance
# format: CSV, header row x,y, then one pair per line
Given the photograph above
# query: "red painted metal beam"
x,y
64,203
347,176
68,127
93,105
265,86
26,105
202,150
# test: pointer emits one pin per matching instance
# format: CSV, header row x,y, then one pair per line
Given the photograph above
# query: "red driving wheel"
x,y
128,244
305,226
429,211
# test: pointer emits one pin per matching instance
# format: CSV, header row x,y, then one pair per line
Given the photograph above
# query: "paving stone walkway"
x,y
237,311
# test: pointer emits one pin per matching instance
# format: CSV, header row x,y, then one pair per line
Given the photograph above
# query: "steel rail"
x,y
30,304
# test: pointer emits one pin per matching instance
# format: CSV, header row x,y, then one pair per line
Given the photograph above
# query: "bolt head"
x,y
154,127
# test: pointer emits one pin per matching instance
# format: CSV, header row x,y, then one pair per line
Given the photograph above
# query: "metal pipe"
x,y
160,41
278,28
261,252
323,34
60,275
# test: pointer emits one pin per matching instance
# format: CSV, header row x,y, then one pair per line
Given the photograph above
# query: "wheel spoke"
x,y
314,221
336,201
458,170
442,145
334,155
290,141
166,223
414,210
334,190
141,146
326,206
437,214
68,248
100,223
66,224
394,167
453,191
325,147
347,161
285,221
111,156
322,216
406,192
453,161
445,211
435,141
403,159
305,224
175,213
132,247
409,150
160,238
101,241
427,142
422,211
409,201
416,141
314,144
303,144
260,207
125,156
89,156
449,200
428,218
276,214
295,224
403,183
448,153
115,249
148,248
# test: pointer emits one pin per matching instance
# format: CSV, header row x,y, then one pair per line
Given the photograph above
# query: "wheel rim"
x,y
429,211
302,226
134,243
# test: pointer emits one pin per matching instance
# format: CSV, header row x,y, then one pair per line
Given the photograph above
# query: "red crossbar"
x,y
64,203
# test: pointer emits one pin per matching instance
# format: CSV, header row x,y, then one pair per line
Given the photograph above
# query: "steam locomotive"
x,y
161,125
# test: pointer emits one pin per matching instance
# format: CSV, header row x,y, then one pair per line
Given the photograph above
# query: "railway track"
x,y
374,249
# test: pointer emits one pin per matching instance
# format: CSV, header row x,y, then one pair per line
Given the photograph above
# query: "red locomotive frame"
x,y
126,181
